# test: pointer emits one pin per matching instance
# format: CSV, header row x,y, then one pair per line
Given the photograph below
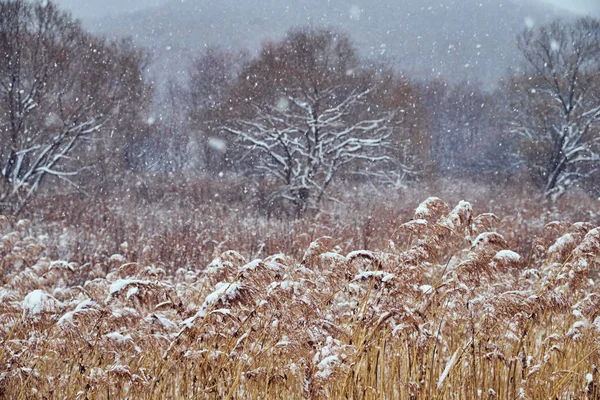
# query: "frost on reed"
x,y
447,310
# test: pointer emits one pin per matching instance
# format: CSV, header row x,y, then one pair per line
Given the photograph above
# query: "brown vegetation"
x,y
436,307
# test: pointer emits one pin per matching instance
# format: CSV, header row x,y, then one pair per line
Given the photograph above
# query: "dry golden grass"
x,y
438,307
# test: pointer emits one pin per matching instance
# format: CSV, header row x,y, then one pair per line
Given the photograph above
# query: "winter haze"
x,y
456,39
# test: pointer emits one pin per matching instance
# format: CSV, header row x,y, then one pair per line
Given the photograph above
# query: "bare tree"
x,y
58,87
304,148
306,113
466,137
555,107
210,77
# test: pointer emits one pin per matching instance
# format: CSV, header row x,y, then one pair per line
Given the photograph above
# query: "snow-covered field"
x,y
447,309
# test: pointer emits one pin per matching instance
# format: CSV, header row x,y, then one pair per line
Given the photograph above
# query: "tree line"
x,y
305,112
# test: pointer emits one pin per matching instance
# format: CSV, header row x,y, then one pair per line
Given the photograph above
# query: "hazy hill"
x,y
458,39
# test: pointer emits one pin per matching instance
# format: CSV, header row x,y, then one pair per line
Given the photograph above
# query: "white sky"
x,y
99,8
578,6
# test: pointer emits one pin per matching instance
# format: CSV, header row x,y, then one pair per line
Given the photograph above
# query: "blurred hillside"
x,y
456,39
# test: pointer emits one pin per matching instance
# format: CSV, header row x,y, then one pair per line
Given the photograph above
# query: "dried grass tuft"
x,y
448,306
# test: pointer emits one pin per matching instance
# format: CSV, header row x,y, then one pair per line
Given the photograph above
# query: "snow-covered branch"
x,y
306,144
557,115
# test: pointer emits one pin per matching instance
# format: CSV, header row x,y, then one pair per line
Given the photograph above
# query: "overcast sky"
x,y
579,6
99,8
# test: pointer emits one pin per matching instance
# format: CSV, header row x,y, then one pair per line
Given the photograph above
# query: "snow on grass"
x,y
383,275
37,303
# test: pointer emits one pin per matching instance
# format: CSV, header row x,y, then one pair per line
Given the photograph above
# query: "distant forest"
x,y
307,114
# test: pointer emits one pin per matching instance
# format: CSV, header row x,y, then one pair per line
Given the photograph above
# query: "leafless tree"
x,y
58,87
555,107
466,136
304,147
306,114
210,77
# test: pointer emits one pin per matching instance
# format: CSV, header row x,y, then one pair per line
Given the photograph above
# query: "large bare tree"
x,y
306,112
304,147
555,106
58,87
